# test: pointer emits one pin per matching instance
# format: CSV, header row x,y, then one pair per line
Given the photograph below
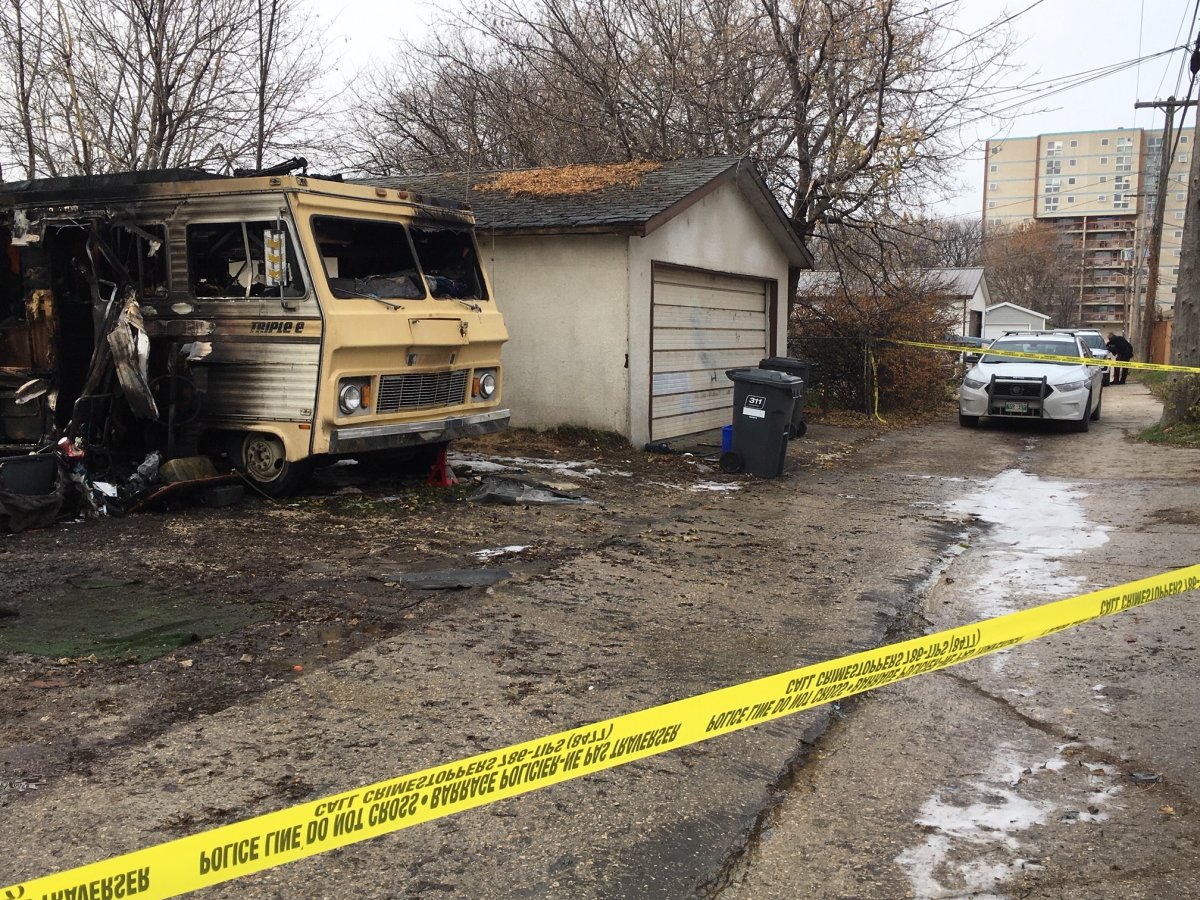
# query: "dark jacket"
x,y
1120,348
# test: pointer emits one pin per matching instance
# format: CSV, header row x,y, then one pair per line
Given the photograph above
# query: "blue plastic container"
x,y
726,438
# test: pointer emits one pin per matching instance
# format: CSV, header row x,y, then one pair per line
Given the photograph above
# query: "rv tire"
x,y
262,459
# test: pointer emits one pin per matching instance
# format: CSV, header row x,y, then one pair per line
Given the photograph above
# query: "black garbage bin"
x,y
762,415
802,369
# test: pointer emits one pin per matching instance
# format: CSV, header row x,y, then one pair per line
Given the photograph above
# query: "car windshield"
x,y
1093,341
1048,348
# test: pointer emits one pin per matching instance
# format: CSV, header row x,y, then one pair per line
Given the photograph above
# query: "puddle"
x,y
117,618
1035,522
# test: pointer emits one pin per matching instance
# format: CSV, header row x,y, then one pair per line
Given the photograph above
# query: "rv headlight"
x,y
350,397
484,387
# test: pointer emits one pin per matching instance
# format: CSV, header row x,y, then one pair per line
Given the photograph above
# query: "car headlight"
x,y
353,396
972,383
483,386
1071,386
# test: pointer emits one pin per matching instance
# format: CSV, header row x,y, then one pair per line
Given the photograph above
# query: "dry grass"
x,y
568,181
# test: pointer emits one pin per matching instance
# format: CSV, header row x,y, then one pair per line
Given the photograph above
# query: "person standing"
x,y
1122,350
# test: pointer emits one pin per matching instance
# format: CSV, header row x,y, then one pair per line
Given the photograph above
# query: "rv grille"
x,y
397,392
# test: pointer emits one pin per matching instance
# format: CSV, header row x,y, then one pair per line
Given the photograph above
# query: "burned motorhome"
x,y
265,321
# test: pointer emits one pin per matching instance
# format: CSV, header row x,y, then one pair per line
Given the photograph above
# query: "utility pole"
x,y
1184,394
1156,224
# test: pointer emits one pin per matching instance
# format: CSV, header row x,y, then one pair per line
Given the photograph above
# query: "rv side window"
x,y
227,259
142,249
449,262
367,259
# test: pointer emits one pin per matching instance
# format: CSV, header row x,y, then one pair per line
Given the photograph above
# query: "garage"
x,y
629,289
702,323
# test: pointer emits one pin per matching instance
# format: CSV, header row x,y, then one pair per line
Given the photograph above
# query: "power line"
x,y
1178,37
990,26
1137,79
1091,76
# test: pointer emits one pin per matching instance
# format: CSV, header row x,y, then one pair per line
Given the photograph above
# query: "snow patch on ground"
x,y
717,486
974,842
966,822
493,552
584,468
569,468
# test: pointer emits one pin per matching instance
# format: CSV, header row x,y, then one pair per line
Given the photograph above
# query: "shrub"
x,y
845,331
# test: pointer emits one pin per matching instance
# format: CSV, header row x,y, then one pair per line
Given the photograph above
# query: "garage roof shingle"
x,y
620,204
626,206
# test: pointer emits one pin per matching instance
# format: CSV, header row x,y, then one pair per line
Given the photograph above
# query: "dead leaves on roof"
x,y
568,181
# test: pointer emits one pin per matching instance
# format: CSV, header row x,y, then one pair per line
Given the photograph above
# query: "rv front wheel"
x,y
265,463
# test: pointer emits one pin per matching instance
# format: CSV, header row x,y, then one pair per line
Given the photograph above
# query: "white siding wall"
x,y
978,303
1005,318
722,233
564,299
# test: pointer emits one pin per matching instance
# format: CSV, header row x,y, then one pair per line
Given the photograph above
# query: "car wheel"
x,y
262,459
968,421
1082,423
1096,411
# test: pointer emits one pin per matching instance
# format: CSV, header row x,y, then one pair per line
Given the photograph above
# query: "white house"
x,y
1002,317
970,298
629,290
966,290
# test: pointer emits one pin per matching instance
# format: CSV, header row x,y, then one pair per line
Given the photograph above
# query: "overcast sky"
x,y
1060,38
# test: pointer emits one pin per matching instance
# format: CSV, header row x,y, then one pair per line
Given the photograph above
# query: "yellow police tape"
x,y
263,842
1130,364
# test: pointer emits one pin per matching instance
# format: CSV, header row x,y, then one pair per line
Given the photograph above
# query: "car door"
x,y
1095,372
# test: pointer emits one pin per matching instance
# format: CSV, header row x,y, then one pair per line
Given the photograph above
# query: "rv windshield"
x,y
386,261
363,258
448,258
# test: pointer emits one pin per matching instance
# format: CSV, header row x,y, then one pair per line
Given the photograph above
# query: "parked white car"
x,y
1014,388
1094,341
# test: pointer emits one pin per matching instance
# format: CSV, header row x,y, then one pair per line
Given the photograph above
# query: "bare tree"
x,y
24,49
1026,265
574,81
147,84
949,243
851,108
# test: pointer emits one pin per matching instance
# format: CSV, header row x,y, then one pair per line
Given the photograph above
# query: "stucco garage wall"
x,y
721,233
564,300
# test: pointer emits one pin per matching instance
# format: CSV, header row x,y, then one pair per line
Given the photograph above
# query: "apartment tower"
x,y
1098,188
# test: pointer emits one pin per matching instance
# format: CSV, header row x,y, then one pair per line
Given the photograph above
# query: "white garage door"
x,y
702,324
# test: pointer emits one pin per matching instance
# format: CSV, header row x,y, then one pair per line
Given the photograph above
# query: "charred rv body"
x,y
269,320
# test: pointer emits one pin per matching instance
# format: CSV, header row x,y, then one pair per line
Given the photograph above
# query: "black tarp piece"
x,y
451,579
513,492
20,512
